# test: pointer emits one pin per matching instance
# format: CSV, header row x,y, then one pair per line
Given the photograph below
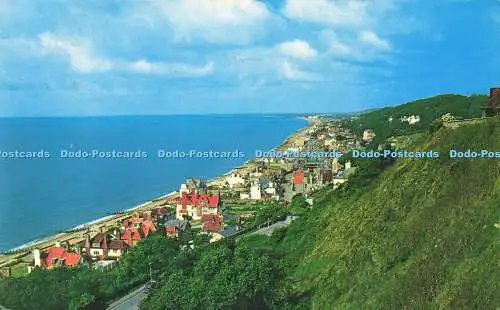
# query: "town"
x,y
254,198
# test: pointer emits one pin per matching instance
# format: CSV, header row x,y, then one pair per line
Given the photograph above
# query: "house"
x,y
96,247
131,236
235,180
335,165
192,204
270,190
117,248
174,228
368,135
411,119
56,256
172,231
226,233
212,222
137,228
255,191
492,106
298,177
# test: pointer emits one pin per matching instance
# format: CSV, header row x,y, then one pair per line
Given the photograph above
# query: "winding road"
x,y
132,300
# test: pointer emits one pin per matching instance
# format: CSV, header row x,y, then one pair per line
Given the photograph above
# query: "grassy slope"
x,y
428,109
422,237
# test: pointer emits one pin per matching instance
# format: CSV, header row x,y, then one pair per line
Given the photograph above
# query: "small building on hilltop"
x,y
492,106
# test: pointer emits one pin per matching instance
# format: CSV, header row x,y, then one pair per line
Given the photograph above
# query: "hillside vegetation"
x,y
422,236
428,109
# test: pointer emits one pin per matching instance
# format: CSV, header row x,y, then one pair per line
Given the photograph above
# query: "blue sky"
x,y
110,57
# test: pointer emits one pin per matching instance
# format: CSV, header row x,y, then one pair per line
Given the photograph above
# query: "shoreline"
x,y
69,235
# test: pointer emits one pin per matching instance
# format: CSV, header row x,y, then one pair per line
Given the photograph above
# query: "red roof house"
x,y
212,222
132,236
196,205
56,257
172,231
298,177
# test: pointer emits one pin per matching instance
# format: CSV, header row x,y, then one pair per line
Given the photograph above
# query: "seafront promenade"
x,y
73,236
76,234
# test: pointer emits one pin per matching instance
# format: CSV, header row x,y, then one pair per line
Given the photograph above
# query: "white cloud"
x,y
336,46
365,47
342,12
83,59
79,52
371,38
291,72
297,49
216,21
175,69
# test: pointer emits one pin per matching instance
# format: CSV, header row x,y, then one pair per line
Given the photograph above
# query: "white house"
x,y
255,191
235,180
270,190
411,119
244,196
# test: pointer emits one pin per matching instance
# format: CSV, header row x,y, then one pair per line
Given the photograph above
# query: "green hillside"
x,y
405,234
421,236
428,109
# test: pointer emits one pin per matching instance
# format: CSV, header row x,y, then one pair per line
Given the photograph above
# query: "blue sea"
x,y
42,196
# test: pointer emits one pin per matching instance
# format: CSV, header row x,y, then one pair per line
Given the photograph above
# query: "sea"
x,y
41,196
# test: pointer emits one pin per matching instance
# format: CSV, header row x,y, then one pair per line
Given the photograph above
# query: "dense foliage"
x,y
224,275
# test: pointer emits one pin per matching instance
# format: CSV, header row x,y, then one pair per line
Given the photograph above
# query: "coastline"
x,y
74,235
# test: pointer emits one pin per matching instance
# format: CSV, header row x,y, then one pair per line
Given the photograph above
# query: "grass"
x,y
19,270
421,237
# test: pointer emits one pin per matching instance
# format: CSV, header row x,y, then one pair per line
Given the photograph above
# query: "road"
x,y
268,231
132,300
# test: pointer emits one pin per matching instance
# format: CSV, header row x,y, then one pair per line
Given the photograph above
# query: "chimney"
x,y
105,245
38,260
87,244
147,214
